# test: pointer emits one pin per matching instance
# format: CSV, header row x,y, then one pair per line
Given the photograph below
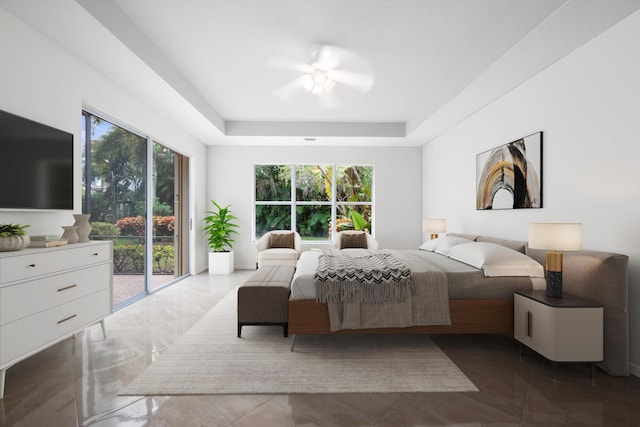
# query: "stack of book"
x,y
46,241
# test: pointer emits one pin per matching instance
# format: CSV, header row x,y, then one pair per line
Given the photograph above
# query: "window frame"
x,y
293,203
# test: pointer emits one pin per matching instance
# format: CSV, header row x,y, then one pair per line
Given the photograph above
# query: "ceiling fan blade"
x,y
289,90
287,64
358,81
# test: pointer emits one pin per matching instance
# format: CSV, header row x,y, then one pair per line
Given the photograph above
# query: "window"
x,y
314,200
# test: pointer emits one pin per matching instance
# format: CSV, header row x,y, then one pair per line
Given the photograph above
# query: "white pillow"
x,y
443,244
496,260
429,245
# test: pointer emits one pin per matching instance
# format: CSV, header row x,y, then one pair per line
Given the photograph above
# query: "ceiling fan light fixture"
x,y
318,81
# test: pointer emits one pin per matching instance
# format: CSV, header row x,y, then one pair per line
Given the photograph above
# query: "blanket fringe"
x,y
365,293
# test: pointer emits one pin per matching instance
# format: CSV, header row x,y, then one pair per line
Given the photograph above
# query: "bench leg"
x,y
293,341
239,329
285,329
3,373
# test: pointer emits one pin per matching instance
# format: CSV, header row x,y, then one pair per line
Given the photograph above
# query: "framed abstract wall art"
x,y
510,176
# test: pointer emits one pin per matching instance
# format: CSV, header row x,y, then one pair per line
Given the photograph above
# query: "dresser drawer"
x,y
45,328
39,263
27,298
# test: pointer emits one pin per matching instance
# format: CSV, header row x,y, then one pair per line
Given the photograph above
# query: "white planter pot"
x,y
221,262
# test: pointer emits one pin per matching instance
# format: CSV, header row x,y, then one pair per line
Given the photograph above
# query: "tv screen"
x,y
36,170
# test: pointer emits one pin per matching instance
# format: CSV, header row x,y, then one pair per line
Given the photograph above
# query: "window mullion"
x,y
334,209
294,219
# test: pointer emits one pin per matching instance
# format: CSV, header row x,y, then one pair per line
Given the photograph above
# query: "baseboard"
x,y
634,369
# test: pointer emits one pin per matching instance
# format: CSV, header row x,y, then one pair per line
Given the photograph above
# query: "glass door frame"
x,y
181,188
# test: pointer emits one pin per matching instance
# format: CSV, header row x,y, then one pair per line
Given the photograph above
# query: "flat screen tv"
x,y
36,166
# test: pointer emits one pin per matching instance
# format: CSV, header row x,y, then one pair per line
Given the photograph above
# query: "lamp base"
x,y
554,284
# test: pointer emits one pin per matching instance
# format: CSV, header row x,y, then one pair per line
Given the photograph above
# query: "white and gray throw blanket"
x,y
426,303
369,279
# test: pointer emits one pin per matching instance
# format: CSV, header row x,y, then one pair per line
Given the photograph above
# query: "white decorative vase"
x,y
84,227
14,243
70,234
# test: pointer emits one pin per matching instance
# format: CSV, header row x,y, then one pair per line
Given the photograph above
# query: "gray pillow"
x,y
281,240
353,240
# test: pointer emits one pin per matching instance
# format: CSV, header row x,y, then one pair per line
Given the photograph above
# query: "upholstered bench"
x,y
263,298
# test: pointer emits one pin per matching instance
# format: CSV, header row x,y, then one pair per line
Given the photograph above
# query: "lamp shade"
x,y
555,236
434,225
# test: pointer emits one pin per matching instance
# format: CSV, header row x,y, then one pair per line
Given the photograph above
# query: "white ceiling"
x,y
203,63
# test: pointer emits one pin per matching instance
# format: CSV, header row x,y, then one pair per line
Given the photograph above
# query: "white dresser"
x,y
46,295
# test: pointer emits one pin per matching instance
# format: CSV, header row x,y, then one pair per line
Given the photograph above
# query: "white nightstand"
x,y
567,329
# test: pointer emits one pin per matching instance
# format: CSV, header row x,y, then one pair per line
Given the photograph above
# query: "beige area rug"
x,y
210,359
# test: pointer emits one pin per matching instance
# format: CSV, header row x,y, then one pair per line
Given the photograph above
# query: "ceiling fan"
x,y
330,74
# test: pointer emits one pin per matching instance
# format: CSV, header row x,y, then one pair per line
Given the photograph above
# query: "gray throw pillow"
x,y
281,240
355,240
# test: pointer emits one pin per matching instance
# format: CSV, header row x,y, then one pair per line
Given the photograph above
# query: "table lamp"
x,y
434,226
555,237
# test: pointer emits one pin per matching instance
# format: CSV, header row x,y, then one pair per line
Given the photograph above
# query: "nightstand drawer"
x,y
567,329
24,299
45,328
39,263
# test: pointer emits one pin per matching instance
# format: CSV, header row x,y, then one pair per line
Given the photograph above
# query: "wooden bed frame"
x,y
595,275
468,316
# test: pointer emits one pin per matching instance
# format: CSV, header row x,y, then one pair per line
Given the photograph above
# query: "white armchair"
x,y
281,247
371,243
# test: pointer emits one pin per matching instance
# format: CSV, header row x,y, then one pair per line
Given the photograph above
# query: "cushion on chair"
x,y
281,240
278,254
353,240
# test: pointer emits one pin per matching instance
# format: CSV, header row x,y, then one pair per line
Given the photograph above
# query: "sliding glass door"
x,y
125,177
169,216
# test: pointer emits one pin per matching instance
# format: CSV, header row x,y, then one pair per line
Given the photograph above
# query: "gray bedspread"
x,y
430,305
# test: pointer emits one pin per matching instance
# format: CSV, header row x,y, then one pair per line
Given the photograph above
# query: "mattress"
x,y
464,281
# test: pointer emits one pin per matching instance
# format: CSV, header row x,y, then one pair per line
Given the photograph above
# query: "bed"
x,y
479,304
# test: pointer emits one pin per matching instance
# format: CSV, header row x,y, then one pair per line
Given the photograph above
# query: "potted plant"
x,y
220,228
13,237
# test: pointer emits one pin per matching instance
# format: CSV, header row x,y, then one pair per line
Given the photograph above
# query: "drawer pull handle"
x,y
67,287
32,265
67,318
528,323
95,254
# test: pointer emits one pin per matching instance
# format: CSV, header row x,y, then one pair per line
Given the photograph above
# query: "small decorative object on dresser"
x,y
70,234
47,241
84,227
13,237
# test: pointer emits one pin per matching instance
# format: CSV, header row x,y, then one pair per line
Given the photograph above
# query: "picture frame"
x,y
510,176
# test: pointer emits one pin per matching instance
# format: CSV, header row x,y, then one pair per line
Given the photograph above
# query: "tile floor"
x,y
77,381
127,286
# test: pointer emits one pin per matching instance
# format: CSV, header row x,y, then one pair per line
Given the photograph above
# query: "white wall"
x,y
588,106
397,189
42,82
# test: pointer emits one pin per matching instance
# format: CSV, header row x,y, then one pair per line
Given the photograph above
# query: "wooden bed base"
x,y
468,316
